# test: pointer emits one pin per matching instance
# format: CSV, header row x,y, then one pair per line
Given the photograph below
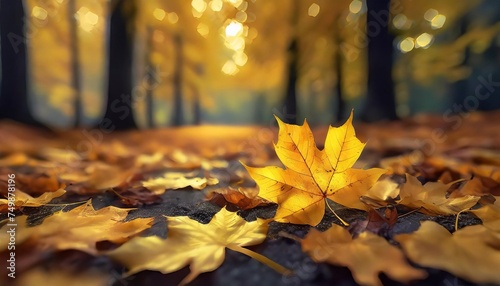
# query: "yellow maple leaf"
x,y
490,215
312,175
22,199
54,276
431,197
202,246
79,228
366,256
471,253
177,180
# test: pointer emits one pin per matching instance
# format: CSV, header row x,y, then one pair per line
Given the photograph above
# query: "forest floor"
x,y
110,169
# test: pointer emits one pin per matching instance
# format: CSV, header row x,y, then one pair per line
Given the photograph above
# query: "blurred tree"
x,y
177,115
121,38
75,62
14,103
149,91
200,70
337,62
380,103
290,102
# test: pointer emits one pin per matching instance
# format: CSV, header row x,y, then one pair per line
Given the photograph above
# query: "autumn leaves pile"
x,y
310,183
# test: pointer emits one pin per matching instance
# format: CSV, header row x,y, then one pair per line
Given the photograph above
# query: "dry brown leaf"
x,y
241,198
79,228
135,195
38,183
366,256
376,222
431,197
472,253
478,186
478,155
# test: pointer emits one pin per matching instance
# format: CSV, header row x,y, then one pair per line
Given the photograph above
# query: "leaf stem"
x,y
336,215
289,236
64,205
261,258
410,212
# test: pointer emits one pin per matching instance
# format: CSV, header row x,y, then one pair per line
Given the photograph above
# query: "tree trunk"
x,y
197,106
75,63
290,110
341,105
14,93
119,113
149,90
381,102
177,115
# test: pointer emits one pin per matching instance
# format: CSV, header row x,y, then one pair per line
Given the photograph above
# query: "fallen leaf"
x,y
21,199
38,183
146,160
478,186
489,215
79,228
56,277
312,175
173,182
241,198
431,198
137,196
479,155
382,193
376,222
66,156
103,176
366,256
202,246
133,194
16,159
96,176
472,253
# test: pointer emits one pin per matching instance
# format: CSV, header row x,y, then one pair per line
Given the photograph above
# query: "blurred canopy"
x,y
173,62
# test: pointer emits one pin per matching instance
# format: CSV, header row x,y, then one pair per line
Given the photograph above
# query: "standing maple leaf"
x,y
312,175
190,242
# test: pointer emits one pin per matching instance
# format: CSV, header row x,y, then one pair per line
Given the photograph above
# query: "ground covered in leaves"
x,y
82,196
